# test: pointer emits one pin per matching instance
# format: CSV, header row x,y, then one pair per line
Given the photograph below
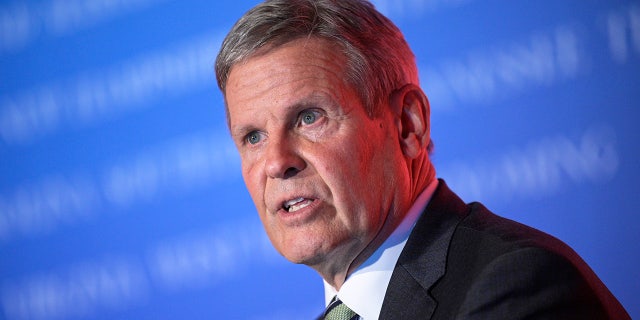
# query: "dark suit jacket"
x,y
463,262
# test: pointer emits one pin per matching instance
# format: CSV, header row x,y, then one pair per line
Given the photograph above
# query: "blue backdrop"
x,y
120,191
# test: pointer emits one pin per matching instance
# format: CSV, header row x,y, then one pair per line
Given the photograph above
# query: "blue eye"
x,y
308,117
253,137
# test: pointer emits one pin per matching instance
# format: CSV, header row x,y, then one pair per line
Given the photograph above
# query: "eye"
x,y
308,116
253,137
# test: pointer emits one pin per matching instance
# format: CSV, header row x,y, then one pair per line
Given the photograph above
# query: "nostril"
x,y
290,172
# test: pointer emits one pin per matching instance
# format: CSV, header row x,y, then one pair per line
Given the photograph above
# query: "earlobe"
x,y
411,110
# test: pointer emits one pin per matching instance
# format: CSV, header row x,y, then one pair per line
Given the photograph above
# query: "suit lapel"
x,y
423,260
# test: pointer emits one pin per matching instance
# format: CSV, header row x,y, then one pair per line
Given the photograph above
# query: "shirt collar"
x,y
364,290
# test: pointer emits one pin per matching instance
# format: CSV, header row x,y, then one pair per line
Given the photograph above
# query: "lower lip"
x,y
300,216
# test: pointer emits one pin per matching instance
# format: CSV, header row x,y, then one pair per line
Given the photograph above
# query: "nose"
x,y
283,160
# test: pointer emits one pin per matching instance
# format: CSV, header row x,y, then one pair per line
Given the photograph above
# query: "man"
x,y
324,106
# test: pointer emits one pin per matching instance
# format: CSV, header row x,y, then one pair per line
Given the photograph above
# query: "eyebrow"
x,y
312,100
240,131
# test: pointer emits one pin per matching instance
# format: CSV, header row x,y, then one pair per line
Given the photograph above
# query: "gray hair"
x,y
379,60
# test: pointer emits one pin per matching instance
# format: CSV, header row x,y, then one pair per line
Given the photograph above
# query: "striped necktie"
x,y
339,311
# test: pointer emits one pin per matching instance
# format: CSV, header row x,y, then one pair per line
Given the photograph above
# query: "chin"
x,y
305,258
303,254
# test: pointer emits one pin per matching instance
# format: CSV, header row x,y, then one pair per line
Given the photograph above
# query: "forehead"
x,y
286,72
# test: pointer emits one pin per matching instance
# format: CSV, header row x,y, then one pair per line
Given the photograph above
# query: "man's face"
x,y
322,174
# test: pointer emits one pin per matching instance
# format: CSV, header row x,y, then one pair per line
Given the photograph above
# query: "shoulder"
x,y
495,235
484,243
503,269
528,282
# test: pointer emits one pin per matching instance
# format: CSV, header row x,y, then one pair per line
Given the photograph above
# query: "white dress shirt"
x,y
364,290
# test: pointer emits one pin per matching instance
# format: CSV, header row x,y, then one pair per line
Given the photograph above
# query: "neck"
x,y
421,173
335,270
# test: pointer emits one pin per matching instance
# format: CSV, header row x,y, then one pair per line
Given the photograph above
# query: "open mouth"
x,y
296,204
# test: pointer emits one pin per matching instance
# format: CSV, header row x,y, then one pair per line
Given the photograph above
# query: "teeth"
x,y
296,204
299,206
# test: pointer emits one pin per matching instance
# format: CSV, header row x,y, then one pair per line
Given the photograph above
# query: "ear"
x,y
411,110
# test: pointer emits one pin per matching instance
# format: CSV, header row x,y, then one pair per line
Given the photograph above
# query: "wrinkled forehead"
x,y
277,63
311,41
286,73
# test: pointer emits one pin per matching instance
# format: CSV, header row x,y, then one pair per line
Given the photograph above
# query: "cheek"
x,y
372,160
255,185
349,174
